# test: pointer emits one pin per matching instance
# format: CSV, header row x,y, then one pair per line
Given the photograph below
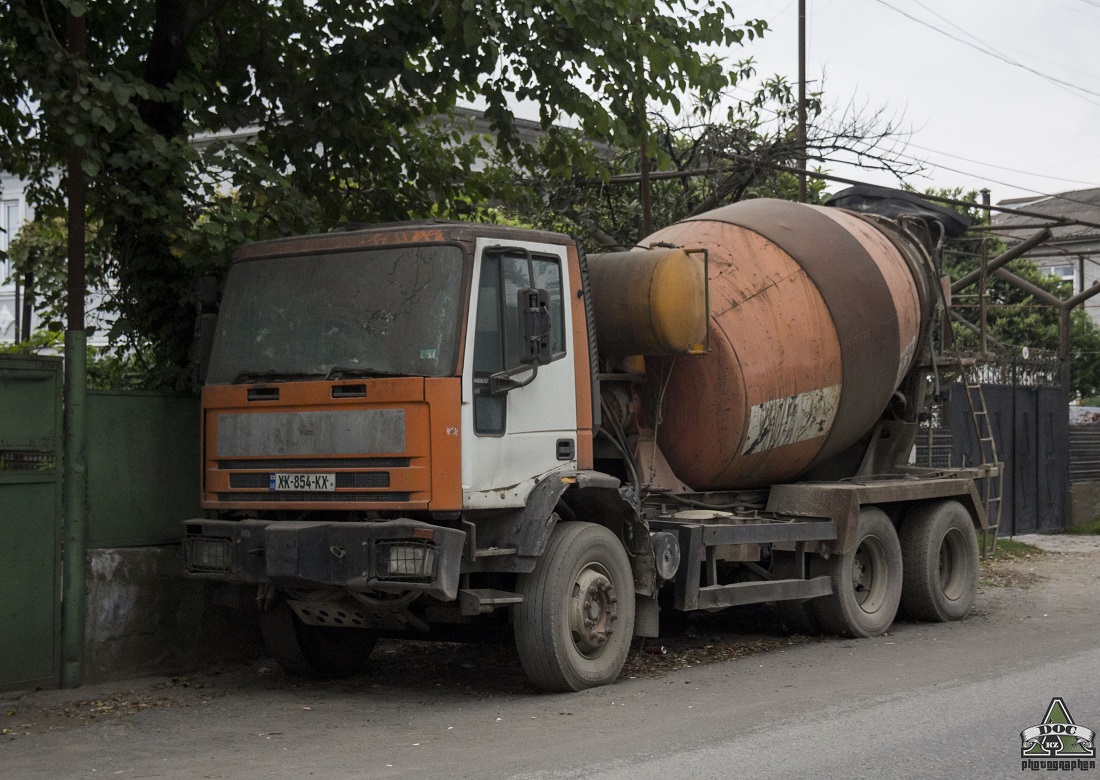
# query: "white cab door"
x,y
511,441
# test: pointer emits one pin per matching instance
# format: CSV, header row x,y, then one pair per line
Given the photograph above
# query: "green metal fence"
x,y
30,520
143,463
143,467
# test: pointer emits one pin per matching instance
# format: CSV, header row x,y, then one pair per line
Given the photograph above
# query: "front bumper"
x,y
389,556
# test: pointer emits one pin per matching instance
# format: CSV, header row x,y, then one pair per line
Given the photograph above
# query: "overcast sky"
x,y
976,120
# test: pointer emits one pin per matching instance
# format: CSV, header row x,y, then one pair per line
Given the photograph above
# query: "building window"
x,y
11,219
1067,273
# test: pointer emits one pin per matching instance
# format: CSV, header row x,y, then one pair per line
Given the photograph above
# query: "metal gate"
x,y
1031,428
30,521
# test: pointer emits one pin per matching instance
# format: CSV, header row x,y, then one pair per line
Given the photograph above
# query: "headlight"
x,y
208,554
401,559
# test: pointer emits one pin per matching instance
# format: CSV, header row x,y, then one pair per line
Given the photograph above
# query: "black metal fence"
x,y
1018,368
1030,426
1084,453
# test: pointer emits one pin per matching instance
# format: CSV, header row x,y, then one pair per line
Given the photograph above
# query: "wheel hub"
x,y
868,565
592,611
859,572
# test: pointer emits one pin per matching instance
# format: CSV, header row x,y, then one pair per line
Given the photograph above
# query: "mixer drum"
x,y
815,317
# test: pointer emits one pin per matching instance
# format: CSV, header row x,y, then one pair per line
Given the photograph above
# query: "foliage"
x,y
40,341
107,369
350,106
40,248
112,369
1089,527
1015,318
1010,549
725,156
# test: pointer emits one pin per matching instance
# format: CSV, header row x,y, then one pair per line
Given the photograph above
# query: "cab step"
x,y
481,601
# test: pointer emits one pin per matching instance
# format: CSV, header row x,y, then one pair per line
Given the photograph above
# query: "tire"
x,y
796,616
575,624
316,652
939,548
866,580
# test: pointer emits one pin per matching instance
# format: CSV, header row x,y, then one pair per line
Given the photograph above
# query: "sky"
x,y
1001,94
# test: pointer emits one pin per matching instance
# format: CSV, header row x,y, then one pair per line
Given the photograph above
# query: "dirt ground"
x,y
483,672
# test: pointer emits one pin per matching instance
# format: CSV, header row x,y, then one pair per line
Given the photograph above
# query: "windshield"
x,y
375,312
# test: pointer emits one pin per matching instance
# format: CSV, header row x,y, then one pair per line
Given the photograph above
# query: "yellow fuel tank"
x,y
649,302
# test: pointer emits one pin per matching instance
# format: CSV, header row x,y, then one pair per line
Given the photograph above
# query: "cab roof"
x,y
359,236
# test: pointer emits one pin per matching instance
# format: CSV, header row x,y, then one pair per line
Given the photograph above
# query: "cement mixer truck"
x,y
435,429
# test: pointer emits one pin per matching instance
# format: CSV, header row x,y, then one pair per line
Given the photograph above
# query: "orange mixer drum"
x,y
815,317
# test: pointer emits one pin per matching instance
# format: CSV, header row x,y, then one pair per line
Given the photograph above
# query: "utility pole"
x,y
645,191
75,476
802,101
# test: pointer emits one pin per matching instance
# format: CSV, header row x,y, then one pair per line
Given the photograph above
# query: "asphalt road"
x,y
939,701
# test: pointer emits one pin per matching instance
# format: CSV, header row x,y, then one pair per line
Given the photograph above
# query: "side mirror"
x,y
534,309
535,346
201,346
203,293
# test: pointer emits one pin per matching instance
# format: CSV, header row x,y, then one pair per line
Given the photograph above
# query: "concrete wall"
x,y
143,617
1084,504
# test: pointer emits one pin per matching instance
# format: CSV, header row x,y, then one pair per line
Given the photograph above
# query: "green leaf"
x,y
471,35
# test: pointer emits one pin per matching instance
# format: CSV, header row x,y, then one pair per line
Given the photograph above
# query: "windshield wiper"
x,y
248,377
347,372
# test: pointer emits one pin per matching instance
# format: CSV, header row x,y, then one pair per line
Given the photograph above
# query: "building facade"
x,y
1073,251
14,211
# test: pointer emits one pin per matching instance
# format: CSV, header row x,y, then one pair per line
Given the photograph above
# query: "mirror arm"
x,y
502,382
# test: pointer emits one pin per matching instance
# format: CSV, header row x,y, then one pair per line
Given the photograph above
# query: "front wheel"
x,y
940,550
866,580
313,651
574,626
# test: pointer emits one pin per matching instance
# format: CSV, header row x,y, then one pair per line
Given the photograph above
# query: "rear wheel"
x,y
313,651
940,550
866,580
574,626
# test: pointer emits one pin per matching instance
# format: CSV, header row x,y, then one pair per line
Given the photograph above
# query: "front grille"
x,y
360,479
363,479
277,464
313,497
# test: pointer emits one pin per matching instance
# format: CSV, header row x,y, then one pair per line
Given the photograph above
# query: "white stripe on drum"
x,y
790,420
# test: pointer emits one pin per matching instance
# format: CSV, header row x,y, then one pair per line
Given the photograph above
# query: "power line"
x,y
997,52
989,52
902,157
914,158
634,178
1001,167
983,178
1071,9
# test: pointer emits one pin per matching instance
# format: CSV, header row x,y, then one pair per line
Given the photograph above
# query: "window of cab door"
x,y
497,334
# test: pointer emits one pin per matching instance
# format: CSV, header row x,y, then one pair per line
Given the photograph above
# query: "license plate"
x,y
303,482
